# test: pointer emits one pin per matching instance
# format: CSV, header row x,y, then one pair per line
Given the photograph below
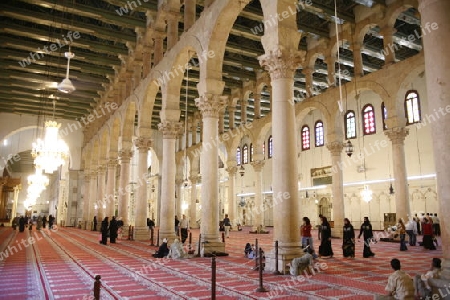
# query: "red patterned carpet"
x,y
62,264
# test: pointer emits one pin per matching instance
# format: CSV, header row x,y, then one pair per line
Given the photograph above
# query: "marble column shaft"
x,y
189,13
172,30
243,112
210,106
231,111
158,50
171,130
397,137
101,193
232,169
257,106
258,209
337,187
124,194
388,44
93,201
285,177
434,13
193,205
86,199
331,68
140,216
110,188
308,82
179,199
357,58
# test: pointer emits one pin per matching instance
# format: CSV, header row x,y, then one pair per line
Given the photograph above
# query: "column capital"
x,y
281,64
101,170
210,105
125,155
179,180
231,170
143,143
87,178
112,163
170,129
193,179
397,135
335,147
257,165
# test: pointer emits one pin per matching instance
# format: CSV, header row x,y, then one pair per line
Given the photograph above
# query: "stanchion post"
x,y
199,241
157,240
223,237
256,255
213,276
261,287
276,272
129,232
97,285
152,235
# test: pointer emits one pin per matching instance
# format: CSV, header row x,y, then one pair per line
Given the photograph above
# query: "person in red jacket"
x,y
427,230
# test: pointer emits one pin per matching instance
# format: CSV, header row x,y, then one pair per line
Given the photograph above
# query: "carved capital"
x,y
210,105
193,179
231,170
397,135
101,170
143,143
87,178
335,147
258,165
170,130
281,64
125,155
112,163
179,181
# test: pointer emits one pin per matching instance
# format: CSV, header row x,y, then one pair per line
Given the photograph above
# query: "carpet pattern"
x,y
62,264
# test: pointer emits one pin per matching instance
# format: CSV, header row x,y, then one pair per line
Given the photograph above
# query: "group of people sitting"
x,y
401,286
175,251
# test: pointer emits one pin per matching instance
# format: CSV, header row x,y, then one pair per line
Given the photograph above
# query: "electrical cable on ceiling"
x,y
340,102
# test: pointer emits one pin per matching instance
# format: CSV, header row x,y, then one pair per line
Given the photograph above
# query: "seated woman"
x,y
163,250
176,250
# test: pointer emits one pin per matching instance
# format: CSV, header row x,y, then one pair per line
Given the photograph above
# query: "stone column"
x,y
178,200
337,188
101,193
308,82
110,188
243,112
172,29
232,169
397,136
258,213
189,13
193,206
86,201
331,68
257,106
210,105
158,50
231,111
221,122
14,206
147,60
94,202
434,13
357,59
281,67
141,231
388,44
124,187
171,130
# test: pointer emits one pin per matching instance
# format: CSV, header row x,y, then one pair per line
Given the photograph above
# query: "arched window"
x,y
269,147
251,152
384,115
369,119
350,125
412,107
238,156
245,154
318,133
305,138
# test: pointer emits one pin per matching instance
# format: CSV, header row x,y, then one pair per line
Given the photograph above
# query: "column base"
x,y
337,232
169,235
141,233
209,248
286,253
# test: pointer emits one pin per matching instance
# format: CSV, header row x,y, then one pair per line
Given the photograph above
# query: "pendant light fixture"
x,y
66,85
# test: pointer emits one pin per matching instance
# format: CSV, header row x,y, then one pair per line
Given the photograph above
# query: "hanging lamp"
x,y
66,85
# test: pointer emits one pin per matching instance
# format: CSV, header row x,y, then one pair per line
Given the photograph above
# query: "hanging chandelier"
x,y
51,152
366,193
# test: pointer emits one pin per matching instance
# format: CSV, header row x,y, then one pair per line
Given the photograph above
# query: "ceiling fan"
x,y
66,85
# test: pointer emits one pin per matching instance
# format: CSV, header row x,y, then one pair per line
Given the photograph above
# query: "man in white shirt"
x,y
411,230
400,285
184,225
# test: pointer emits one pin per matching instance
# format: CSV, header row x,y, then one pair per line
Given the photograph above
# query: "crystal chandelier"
x,y
366,193
51,152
